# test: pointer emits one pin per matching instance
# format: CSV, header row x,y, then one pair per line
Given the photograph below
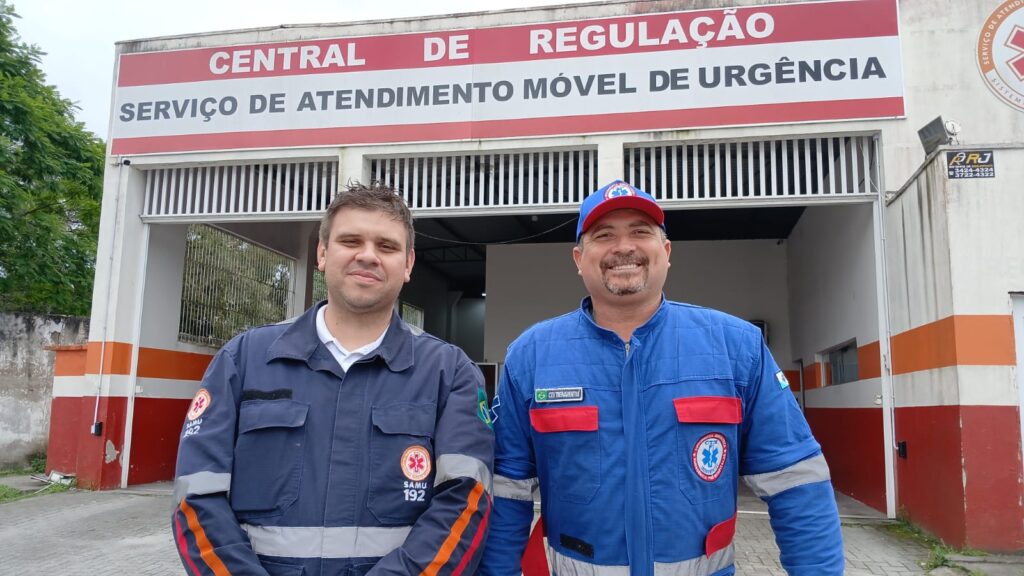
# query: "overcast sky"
x,y
78,37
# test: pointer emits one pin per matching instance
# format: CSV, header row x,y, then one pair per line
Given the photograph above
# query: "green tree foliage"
x,y
51,172
229,285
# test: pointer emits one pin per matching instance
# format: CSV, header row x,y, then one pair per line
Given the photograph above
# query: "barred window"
x,y
319,286
230,285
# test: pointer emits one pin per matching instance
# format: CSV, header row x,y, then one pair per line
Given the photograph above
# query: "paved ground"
x,y
127,532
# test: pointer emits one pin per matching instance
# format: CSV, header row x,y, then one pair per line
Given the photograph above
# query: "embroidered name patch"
x,y
416,463
544,395
709,456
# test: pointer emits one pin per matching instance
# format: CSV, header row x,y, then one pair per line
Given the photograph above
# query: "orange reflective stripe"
x,y
205,548
455,535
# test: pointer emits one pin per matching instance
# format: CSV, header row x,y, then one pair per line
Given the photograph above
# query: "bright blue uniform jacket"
x,y
287,465
637,449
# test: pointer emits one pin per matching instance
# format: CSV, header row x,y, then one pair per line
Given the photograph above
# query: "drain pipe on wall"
x,y
96,428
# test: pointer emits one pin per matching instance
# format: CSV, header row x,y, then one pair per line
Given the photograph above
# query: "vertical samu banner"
x,y
753,65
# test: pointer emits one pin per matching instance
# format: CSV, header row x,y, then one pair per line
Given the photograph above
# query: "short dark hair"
x,y
376,197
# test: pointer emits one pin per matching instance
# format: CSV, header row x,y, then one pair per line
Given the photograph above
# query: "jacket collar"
x,y
300,342
587,310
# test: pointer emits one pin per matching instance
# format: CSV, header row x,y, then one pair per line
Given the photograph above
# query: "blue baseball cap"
x,y
616,196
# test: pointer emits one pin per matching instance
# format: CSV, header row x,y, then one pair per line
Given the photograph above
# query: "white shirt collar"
x,y
344,357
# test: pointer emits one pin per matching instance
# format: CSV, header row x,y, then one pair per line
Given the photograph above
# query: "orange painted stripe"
x,y
812,376
158,363
70,361
869,361
117,358
153,362
205,548
982,340
455,535
793,376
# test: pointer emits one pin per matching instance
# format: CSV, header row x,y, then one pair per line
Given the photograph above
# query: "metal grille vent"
x,y
544,178
230,285
291,188
785,168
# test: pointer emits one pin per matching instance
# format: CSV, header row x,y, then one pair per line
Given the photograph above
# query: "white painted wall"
x,y
986,236
954,247
528,283
917,254
832,288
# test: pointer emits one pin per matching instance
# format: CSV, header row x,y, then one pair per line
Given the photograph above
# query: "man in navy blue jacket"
x,y
635,417
343,442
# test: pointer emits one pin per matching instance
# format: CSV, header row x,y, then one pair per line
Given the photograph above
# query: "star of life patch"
x,y
783,381
546,395
199,404
709,455
620,188
494,409
416,463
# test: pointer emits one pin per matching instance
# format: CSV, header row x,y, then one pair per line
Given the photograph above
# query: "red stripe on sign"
x,y
720,536
575,419
447,131
714,409
757,25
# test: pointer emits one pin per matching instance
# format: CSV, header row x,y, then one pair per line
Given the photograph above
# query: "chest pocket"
x,y
268,457
707,437
401,461
568,440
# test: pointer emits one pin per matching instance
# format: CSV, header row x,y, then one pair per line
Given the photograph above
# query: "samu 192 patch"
x,y
416,463
482,410
199,404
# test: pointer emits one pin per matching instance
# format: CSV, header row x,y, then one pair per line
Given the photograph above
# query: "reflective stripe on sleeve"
x,y
321,542
699,566
505,487
201,483
451,466
808,471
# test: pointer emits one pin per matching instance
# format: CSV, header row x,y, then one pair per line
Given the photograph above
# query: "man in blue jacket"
x,y
342,442
635,417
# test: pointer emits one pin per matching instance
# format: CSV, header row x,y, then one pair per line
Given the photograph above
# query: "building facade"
x,y
884,265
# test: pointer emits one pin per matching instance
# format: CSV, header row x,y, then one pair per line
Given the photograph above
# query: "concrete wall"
x,y
833,299
26,379
953,252
747,278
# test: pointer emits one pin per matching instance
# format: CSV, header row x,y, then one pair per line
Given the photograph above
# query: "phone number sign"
x,y
970,164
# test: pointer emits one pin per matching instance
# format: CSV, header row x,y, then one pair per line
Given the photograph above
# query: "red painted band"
x,y
799,22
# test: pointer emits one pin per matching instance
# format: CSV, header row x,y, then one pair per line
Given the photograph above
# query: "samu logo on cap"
x,y
619,188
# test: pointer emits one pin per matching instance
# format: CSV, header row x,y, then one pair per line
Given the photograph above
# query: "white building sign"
x,y
755,65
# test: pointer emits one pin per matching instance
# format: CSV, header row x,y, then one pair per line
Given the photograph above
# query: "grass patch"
x,y
939,551
8,494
